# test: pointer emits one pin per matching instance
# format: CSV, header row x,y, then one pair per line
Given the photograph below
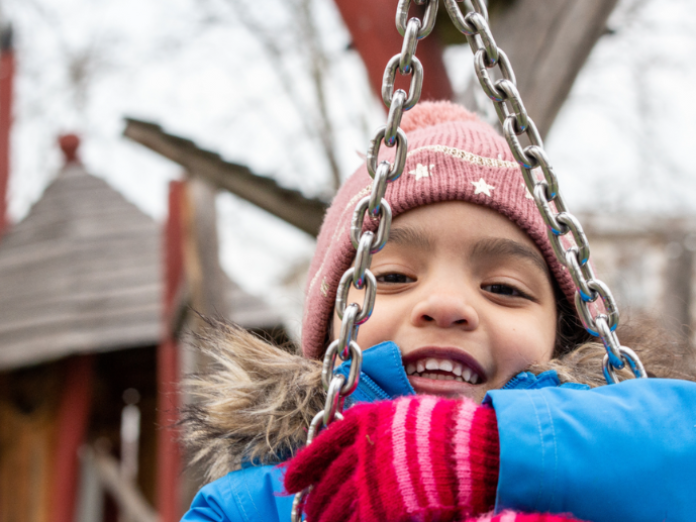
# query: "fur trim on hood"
x,y
255,400
253,403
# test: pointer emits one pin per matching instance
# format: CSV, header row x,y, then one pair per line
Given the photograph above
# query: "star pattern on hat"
x,y
527,194
482,187
422,171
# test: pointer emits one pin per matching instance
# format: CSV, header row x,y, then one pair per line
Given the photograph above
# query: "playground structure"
x,y
83,320
95,300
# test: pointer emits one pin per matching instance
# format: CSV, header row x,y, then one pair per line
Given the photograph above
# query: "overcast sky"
x,y
621,143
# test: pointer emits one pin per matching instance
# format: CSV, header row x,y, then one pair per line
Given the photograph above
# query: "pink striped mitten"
x,y
511,516
422,458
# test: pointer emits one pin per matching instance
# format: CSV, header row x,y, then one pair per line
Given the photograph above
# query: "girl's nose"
x,y
445,311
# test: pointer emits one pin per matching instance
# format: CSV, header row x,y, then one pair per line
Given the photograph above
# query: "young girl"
x,y
471,307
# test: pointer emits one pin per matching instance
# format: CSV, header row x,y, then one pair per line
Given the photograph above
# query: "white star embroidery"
x,y
527,194
422,171
482,187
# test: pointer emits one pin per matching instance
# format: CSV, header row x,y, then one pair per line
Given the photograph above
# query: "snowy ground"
x,y
621,143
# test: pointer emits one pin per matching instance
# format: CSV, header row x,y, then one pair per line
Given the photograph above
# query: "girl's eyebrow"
x,y
409,236
489,247
502,247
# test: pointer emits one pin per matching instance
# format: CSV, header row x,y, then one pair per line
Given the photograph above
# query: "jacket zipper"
x,y
371,385
512,383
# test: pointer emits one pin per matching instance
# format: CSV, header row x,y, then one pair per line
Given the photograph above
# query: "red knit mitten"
x,y
511,516
417,457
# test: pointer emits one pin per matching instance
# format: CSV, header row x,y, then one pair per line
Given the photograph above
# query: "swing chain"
x,y
378,212
532,158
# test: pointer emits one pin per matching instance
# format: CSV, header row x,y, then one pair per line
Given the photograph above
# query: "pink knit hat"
x,y
452,155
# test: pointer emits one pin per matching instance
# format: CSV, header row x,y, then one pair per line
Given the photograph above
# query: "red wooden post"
x,y
7,66
371,24
73,418
168,453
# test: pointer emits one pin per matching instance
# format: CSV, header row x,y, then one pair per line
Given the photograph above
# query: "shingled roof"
x,y
83,273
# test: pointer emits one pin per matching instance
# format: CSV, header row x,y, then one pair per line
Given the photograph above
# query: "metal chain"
x,y
516,122
376,209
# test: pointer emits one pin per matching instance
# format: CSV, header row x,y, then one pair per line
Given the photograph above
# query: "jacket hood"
x,y
254,401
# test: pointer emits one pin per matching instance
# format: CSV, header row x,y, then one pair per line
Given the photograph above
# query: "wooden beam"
x,y
372,27
173,262
7,68
207,281
679,269
168,401
130,501
548,43
289,205
73,418
168,451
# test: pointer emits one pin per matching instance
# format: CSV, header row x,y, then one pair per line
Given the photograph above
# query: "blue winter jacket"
x,y
625,452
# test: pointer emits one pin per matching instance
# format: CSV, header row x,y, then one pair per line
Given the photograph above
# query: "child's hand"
x,y
421,457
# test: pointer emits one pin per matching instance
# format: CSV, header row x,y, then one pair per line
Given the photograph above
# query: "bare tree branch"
x,y
319,126
318,63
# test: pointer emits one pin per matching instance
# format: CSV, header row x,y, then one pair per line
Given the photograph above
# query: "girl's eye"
x,y
503,289
394,279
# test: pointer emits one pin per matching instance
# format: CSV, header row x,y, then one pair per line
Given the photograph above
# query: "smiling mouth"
x,y
443,369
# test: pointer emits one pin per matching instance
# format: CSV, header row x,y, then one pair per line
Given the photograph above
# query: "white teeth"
x,y
454,371
446,365
466,374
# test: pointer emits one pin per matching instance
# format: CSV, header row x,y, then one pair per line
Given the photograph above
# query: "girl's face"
x,y
467,297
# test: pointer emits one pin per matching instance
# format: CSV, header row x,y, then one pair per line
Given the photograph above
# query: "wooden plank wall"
x,y
28,416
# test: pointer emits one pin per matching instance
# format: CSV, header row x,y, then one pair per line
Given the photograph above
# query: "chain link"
x,y
516,122
416,72
385,216
375,208
408,49
363,259
429,18
630,357
396,111
397,168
